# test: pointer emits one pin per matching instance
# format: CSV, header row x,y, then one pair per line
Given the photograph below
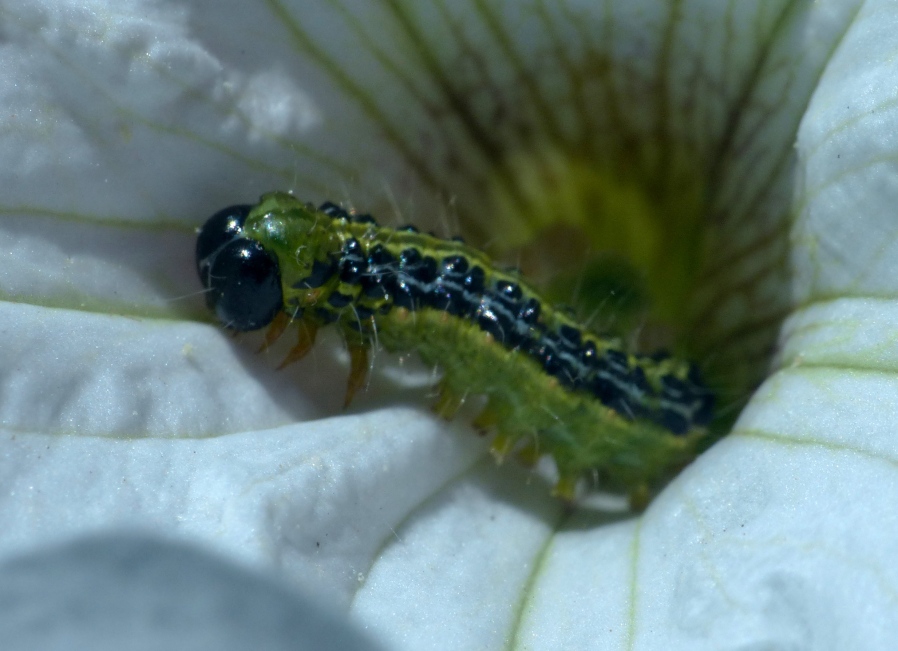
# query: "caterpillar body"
x,y
552,386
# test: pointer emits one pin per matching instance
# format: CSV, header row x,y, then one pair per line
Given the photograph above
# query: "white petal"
x,y
128,123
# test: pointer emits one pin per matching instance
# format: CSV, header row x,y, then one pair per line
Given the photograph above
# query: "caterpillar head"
x,y
242,279
250,257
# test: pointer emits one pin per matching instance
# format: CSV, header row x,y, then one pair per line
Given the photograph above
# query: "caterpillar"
x,y
551,386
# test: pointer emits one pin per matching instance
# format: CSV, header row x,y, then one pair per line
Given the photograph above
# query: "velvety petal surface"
x,y
122,405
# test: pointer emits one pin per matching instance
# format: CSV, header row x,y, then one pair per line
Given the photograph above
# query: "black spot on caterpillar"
x,y
552,386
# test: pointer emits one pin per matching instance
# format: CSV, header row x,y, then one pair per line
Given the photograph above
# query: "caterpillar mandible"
x,y
552,386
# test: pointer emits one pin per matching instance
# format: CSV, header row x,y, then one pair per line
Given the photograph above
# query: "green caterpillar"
x,y
552,386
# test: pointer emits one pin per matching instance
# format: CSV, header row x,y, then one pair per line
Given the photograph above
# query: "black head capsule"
x,y
242,279
219,229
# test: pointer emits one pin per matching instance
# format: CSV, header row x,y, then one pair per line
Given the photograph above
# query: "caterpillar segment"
x,y
552,386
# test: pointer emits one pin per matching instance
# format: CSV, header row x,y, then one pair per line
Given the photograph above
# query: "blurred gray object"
x,y
129,592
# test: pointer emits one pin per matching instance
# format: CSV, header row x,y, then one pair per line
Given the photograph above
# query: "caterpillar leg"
x,y
306,339
358,371
486,420
529,454
565,488
639,497
501,446
275,330
448,403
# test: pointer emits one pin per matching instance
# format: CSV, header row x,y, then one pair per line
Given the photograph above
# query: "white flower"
x,y
769,126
